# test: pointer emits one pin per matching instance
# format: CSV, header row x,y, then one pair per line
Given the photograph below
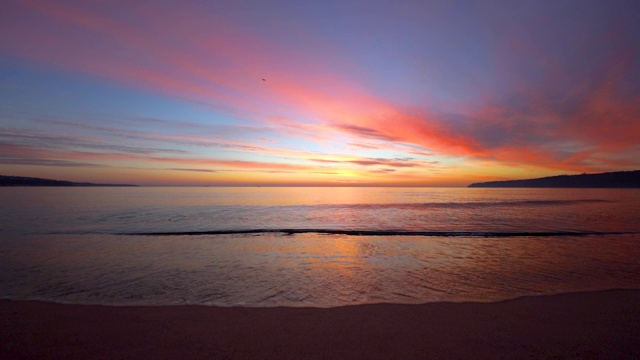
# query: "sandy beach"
x,y
582,325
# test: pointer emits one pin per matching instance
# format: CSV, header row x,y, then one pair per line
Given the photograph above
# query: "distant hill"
x,y
29,181
619,179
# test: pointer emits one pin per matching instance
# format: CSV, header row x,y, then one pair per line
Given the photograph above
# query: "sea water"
x,y
317,247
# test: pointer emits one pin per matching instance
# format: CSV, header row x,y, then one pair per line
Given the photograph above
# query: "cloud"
x,y
398,163
43,162
365,132
45,140
382,171
195,170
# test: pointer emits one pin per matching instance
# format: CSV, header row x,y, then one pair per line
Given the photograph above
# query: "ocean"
x,y
313,247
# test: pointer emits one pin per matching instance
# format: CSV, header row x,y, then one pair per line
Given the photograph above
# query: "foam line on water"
x,y
380,233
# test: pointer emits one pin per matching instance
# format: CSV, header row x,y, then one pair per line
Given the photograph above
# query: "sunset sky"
x,y
409,93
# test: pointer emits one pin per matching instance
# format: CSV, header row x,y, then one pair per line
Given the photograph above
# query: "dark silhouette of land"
x,y
619,179
29,181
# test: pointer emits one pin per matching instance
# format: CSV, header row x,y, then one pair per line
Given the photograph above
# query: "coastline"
x,y
602,324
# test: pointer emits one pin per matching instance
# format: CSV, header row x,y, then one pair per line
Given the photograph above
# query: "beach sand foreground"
x,y
603,325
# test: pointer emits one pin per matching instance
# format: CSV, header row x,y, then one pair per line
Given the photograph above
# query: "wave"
x,y
382,233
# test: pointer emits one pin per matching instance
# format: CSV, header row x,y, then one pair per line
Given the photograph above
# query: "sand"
x,y
582,325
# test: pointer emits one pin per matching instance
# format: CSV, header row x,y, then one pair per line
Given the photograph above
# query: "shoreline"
x,y
255,306
600,324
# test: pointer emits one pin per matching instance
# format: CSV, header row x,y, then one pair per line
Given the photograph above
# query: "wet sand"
x,y
603,325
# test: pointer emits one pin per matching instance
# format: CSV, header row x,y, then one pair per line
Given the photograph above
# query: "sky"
x,y
318,93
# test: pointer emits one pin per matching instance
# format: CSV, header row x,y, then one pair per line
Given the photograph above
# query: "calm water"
x,y
313,246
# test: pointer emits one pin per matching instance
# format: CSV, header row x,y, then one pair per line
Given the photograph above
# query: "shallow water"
x,y
313,246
